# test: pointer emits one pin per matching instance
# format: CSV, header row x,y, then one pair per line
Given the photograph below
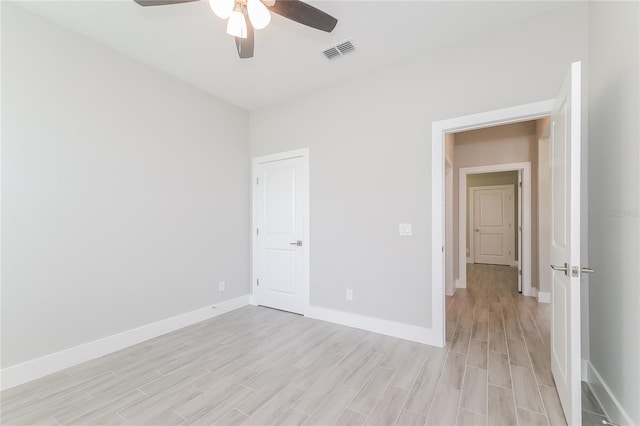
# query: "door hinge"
x,y
443,249
257,181
258,282
519,271
257,231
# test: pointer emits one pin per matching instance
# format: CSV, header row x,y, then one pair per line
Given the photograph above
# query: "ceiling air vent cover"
x,y
339,49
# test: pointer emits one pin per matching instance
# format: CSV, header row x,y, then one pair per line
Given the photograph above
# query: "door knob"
x,y
564,268
585,270
297,243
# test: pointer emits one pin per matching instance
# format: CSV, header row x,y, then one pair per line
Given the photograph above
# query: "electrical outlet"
x,y
221,286
349,295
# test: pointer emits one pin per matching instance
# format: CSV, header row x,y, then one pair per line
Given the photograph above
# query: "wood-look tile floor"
x,y
261,366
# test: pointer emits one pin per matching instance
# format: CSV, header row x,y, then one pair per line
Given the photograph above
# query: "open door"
x,y
565,245
519,230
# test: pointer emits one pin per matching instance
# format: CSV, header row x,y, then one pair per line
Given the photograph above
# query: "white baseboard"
x,y
453,290
458,284
533,292
605,397
48,364
390,328
544,297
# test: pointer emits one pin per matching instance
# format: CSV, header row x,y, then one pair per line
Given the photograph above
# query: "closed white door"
x,y
493,223
280,202
565,245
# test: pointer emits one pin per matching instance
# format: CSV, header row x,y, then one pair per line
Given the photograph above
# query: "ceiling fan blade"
x,y
245,45
305,14
161,2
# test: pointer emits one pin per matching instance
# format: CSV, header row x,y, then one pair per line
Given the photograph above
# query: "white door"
x,y
565,245
493,222
448,224
519,230
280,246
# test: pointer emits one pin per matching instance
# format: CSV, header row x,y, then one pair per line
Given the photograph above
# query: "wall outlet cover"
x,y
349,294
221,286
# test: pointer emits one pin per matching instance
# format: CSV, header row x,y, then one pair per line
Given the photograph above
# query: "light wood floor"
x,y
261,366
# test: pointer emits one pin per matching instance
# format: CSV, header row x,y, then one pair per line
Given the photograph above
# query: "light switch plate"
x,y
405,229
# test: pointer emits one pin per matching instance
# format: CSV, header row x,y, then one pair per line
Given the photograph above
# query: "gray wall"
x,y
369,142
124,192
614,218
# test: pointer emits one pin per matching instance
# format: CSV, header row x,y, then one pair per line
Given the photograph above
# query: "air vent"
x,y
339,49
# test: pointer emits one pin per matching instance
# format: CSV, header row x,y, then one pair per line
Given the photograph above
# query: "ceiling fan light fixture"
x,y
259,15
237,25
222,8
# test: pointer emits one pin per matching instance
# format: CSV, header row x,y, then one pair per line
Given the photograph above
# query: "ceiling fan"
x,y
246,15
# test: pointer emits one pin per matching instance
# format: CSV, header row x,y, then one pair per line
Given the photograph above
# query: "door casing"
x,y
439,129
256,161
525,197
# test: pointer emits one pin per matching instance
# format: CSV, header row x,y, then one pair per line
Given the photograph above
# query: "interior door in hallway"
x,y
565,245
280,203
493,218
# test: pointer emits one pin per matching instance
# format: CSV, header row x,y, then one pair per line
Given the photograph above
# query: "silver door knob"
x,y
564,268
585,270
297,243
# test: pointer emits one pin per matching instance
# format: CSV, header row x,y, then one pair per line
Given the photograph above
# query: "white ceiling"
x,y
189,42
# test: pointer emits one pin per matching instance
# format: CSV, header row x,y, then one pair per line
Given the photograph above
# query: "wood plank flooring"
x,y
258,366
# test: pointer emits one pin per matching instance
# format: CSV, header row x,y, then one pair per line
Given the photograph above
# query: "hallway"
x,y
501,340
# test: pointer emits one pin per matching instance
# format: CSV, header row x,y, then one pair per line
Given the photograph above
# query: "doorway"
x,y
280,237
566,141
522,228
440,129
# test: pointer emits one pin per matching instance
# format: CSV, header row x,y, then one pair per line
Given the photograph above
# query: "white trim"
x,y
584,367
438,130
525,167
544,297
48,364
389,328
297,153
612,407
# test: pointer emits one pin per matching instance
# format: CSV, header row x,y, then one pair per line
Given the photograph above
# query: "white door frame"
x,y
438,130
525,256
256,161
